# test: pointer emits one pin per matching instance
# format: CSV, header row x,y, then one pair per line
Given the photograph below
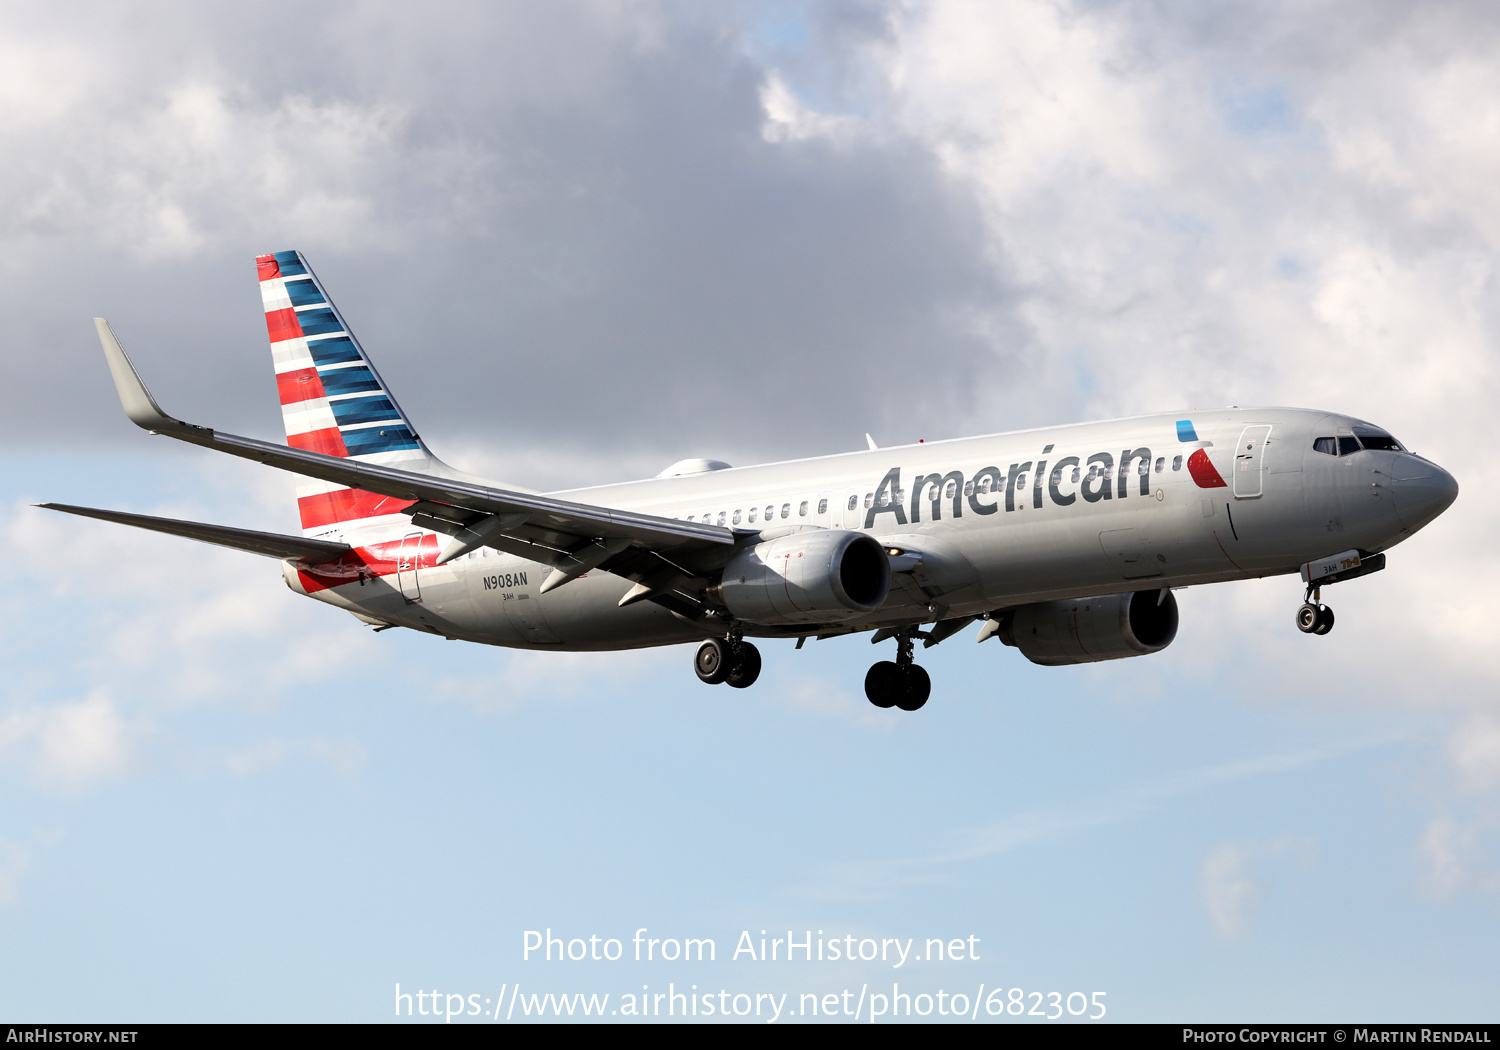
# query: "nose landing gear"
x,y
899,683
731,661
1313,617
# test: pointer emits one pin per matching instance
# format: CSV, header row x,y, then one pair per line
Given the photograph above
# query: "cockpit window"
x,y
1328,446
1369,437
1348,446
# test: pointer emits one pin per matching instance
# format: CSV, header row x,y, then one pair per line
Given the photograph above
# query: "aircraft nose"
x,y
1423,490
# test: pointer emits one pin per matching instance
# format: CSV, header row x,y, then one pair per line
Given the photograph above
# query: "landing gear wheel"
x,y
746,669
883,684
712,661
917,688
1325,621
1308,617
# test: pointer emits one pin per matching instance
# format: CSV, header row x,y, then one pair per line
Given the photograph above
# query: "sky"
x,y
583,240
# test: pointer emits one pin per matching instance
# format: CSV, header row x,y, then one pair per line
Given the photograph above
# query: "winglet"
x,y
871,442
137,401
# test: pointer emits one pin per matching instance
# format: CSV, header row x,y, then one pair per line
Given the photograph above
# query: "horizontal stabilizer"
x,y
270,544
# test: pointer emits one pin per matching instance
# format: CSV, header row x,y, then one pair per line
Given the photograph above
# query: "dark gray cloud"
x,y
547,222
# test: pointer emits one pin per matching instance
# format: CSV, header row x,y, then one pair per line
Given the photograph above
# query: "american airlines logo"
x,y
1095,478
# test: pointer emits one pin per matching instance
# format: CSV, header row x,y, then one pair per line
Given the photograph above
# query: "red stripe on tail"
x,y
267,267
300,385
282,324
327,441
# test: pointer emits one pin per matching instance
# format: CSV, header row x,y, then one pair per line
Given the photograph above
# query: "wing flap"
x,y
269,544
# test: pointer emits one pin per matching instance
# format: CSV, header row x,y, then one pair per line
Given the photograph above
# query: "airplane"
x,y
1065,543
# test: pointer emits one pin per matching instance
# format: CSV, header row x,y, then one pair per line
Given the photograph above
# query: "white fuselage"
x,y
999,521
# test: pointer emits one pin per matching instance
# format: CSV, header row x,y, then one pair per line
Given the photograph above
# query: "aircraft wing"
x,y
271,544
558,532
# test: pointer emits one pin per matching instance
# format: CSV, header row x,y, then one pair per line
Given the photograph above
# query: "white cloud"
x,y
1194,221
13,860
874,878
1230,891
525,677
788,120
70,744
344,757
1231,886
815,695
174,621
1457,854
1475,751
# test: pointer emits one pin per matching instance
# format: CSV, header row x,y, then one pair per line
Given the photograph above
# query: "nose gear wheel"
x,y
1314,619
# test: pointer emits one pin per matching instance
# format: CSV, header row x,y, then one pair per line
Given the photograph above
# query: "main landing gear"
x,y
727,660
900,683
1313,617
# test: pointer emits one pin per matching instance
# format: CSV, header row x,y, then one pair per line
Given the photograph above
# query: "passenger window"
x,y
1348,446
770,513
853,502
984,484
1057,476
1144,468
1328,446
1161,464
786,510
1076,475
721,517
1176,462
869,500
736,517
822,506
752,514
802,509
1020,481
951,489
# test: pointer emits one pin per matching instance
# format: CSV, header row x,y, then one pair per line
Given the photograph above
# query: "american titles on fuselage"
x,y
1097,477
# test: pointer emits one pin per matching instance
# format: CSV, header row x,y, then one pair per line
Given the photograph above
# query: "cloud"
x,y
1230,891
525,677
1232,888
582,191
1475,752
69,744
586,239
13,860
819,696
877,878
344,757
1457,854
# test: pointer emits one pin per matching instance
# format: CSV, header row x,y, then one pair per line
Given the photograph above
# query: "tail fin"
x,y
332,399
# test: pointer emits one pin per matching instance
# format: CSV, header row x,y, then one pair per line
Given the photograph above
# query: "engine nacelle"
x,y
1083,630
817,576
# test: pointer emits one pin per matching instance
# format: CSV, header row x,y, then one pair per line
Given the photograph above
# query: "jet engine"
x,y
817,576
1083,630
